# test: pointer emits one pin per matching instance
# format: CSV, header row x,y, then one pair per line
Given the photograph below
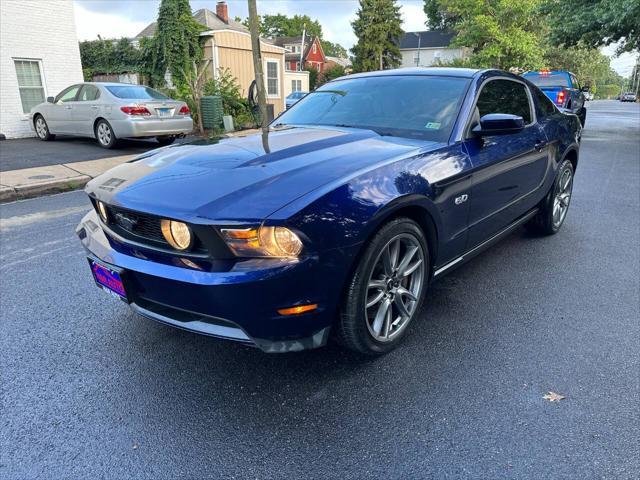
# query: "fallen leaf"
x,y
553,397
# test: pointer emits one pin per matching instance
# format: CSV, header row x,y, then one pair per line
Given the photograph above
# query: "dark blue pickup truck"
x,y
563,89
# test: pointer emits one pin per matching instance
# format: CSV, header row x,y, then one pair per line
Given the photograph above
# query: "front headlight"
x,y
178,234
262,242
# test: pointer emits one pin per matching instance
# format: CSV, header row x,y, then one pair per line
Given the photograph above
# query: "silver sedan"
x,y
109,111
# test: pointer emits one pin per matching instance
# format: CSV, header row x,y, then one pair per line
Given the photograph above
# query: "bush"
x,y
233,103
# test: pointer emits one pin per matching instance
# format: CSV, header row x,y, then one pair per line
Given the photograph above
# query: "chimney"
x,y
222,11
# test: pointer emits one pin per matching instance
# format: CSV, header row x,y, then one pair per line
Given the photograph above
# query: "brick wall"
x,y
44,30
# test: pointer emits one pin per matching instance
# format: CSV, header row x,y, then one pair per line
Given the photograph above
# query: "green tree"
x,y
378,26
594,22
109,56
590,66
437,17
332,73
282,26
333,49
176,43
313,78
500,33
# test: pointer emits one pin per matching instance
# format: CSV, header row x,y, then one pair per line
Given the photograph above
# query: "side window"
x,y
68,95
88,93
574,82
505,96
546,106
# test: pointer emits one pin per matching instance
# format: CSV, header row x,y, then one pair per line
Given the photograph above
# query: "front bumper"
x,y
144,127
231,299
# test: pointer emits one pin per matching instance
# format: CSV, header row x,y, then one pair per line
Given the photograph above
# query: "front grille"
x,y
138,224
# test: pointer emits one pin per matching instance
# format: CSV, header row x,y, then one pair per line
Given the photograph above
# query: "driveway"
x,y
31,152
91,390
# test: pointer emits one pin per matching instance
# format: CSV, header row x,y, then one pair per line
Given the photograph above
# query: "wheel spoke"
x,y
387,324
411,268
379,296
380,284
402,308
381,315
408,256
407,293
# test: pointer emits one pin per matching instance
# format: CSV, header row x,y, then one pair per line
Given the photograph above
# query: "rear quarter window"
x,y
545,105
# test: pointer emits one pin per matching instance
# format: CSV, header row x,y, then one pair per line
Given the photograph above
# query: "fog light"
x,y
102,210
178,234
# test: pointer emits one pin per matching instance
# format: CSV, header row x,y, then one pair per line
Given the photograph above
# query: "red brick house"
x,y
312,53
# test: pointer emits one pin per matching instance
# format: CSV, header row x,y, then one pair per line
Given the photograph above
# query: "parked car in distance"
x,y
111,111
339,217
563,89
628,97
588,96
293,98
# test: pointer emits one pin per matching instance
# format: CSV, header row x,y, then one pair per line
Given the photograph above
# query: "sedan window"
x,y
413,106
68,95
136,92
505,96
88,93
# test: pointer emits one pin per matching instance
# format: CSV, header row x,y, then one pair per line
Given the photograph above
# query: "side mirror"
x,y
498,124
51,100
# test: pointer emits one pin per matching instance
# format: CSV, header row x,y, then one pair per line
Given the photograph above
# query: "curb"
x,y
24,192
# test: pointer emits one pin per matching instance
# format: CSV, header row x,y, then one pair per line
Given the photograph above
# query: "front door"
x,y
59,114
85,110
508,169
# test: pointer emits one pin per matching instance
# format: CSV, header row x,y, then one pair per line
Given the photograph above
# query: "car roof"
x,y
422,71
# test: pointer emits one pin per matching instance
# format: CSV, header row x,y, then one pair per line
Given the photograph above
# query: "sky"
x,y
126,18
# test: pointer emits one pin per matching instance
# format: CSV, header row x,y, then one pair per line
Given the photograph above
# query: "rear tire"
x,y
104,134
387,289
554,207
42,129
166,139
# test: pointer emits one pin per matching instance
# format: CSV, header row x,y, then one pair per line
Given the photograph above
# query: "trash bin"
x,y
211,111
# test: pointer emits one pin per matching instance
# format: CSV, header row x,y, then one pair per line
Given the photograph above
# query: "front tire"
x,y
386,290
42,129
554,207
104,134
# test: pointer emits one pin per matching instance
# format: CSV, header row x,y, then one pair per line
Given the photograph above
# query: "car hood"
x,y
245,179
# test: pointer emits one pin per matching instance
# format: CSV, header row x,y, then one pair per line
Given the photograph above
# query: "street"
x,y
91,390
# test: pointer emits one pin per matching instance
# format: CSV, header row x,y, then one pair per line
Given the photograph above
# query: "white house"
x,y
424,49
39,57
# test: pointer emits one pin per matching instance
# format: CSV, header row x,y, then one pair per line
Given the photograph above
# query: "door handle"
x,y
540,144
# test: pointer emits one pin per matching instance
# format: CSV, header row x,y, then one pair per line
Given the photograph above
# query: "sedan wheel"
x,y
386,290
104,134
42,129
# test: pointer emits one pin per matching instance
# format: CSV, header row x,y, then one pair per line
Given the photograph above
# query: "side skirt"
x,y
486,244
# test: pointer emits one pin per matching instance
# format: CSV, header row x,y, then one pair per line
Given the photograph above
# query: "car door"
x,y
59,115
508,169
85,110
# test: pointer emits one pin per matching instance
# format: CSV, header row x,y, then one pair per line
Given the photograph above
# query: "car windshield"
x,y
417,106
548,80
137,92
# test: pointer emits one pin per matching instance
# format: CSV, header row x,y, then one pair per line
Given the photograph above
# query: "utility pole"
x,y
257,65
417,34
304,31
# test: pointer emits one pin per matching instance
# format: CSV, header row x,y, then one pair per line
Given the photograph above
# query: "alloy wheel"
x,y
562,198
394,287
104,134
41,127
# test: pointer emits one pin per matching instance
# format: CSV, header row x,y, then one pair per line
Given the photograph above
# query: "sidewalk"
x,y
33,182
45,180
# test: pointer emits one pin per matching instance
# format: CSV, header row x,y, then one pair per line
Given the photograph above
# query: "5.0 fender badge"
x,y
461,199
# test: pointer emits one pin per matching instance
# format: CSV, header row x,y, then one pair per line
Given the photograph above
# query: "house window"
x,y
314,48
296,85
273,80
30,83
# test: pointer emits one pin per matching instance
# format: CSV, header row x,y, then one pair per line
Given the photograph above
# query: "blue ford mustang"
x,y
334,223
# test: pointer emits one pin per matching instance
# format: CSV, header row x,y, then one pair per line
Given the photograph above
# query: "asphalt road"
x,y
90,390
31,152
